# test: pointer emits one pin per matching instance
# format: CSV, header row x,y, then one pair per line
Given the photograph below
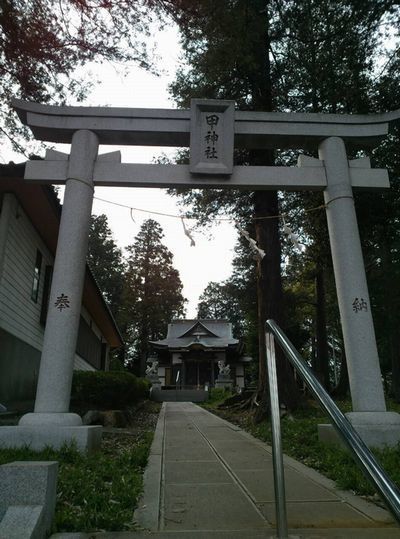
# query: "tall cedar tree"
x,y
222,301
105,260
302,50
227,46
327,42
152,294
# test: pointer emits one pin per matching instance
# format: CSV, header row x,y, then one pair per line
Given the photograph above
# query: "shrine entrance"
x,y
211,129
198,373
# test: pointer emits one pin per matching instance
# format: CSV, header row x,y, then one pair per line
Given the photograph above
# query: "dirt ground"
x,y
142,419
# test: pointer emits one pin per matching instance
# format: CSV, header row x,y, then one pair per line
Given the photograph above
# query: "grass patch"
x,y
217,395
98,491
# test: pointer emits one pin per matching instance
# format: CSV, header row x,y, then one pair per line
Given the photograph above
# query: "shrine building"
x,y
189,355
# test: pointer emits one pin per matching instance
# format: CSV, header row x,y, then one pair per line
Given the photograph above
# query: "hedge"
x,y
108,390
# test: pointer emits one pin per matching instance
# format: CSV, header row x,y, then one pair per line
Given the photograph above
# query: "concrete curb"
x,y
301,533
148,510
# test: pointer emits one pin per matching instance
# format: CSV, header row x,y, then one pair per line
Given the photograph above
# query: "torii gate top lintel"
x,y
171,127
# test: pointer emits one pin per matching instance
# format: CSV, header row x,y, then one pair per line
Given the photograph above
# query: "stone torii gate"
x,y
211,129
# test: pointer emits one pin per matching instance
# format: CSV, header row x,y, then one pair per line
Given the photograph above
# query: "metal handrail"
x,y
362,455
277,453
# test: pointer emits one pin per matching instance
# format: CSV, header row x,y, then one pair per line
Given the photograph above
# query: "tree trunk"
x,y
342,389
270,296
391,317
322,355
395,356
269,284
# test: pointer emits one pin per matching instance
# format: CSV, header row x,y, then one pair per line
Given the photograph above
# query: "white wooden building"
x,y
29,221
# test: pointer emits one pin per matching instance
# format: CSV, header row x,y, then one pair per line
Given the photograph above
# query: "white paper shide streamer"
x,y
253,244
292,236
188,234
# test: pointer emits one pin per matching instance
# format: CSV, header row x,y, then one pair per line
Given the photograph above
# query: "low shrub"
x,y
218,395
108,390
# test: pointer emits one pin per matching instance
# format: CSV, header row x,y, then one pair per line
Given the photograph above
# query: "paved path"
x,y
207,478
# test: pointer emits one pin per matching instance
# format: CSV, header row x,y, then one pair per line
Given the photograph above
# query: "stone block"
x,y
376,429
23,522
87,438
57,419
224,382
27,498
91,417
179,395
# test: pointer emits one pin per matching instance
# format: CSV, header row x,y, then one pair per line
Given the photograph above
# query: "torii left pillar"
x,y
51,423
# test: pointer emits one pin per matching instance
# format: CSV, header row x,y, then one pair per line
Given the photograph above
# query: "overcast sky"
x,y
210,259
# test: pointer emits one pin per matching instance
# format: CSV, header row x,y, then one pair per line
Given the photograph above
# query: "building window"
x,y
36,276
88,345
48,274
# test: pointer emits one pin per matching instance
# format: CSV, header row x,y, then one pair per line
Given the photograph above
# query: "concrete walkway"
x,y
207,478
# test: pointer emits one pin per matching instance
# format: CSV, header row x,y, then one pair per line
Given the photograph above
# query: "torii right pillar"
x,y
376,426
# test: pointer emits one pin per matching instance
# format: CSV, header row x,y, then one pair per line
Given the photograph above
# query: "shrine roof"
x,y
198,333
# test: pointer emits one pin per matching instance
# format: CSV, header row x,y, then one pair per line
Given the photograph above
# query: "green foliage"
x,y
105,260
217,395
44,41
116,364
380,232
222,300
94,492
108,390
68,453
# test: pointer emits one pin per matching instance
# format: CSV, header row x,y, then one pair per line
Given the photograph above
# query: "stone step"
x,y
314,533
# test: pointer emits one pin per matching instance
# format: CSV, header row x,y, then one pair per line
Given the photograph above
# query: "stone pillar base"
x,y
58,419
376,429
224,383
154,380
87,438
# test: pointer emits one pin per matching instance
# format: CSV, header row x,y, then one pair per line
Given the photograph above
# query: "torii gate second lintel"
x,y
211,129
309,175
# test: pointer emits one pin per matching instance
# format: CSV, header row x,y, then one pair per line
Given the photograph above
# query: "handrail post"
x,y
277,456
